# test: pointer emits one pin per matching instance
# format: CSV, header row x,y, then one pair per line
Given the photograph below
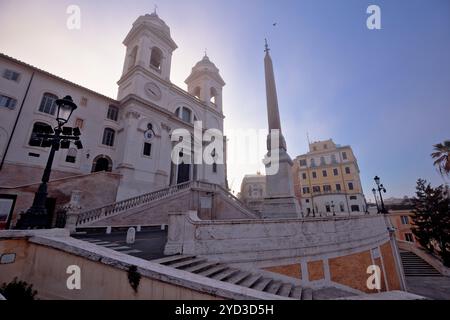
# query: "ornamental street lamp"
x,y
380,188
37,217
374,191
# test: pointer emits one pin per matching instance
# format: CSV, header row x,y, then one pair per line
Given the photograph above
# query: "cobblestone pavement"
x,y
436,288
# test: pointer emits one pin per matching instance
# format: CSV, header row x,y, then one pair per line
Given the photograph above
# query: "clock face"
x,y
153,91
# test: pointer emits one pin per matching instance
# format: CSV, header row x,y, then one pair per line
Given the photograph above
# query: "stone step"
x,y
242,275
273,287
213,270
285,290
200,267
307,294
187,263
262,284
250,281
222,276
296,293
173,259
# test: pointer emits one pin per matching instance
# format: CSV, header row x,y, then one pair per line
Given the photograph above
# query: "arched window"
x,y
38,127
108,137
197,92
48,104
132,58
185,114
71,155
156,59
102,163
213,95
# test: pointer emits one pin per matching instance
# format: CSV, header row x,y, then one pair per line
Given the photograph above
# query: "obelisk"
x,y
280,200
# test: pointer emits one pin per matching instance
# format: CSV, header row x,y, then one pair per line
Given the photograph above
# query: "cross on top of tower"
x,y
267,47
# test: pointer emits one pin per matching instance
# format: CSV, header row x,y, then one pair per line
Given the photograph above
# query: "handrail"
x,y
127,204
120,206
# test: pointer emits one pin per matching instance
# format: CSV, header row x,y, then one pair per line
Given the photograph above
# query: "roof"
x,y
36,69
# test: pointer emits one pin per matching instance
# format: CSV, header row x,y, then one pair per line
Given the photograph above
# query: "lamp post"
x,y
332,207
36,217
380,188
376,199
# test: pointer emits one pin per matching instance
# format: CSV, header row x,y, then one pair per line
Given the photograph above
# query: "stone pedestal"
x,y
280,201
73,209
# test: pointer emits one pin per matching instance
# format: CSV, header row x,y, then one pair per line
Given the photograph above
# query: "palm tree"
x,y
441,155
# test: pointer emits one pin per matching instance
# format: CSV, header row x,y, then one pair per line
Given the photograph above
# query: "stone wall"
x,y
319,252
97,189
42,258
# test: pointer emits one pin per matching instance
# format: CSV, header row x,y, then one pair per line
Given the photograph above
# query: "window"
x,y
327,208
322,161
184,114
341,207
197,92
313,162
304,176
84,101
314,148
38,127
147,149
302,163
333,158
314,174
353,198
214,167
305,190
7,102
316,189
344,155
11,75
71,155
324,173
335,171
113,113
347,170
326,188
108,137
325,146
79,123
307,200
409,237
405,219
156,59
48,104
355,208
338,187
350,186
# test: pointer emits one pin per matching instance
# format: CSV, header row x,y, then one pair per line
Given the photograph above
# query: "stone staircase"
x,y
414,266
94,215
250,279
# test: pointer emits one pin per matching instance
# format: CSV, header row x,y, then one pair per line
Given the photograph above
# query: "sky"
x,y
384,92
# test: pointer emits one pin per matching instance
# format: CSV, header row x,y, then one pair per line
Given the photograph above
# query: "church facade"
x,y
130,136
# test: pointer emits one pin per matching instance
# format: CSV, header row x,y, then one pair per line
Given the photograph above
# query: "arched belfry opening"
x,y
156,59
213,95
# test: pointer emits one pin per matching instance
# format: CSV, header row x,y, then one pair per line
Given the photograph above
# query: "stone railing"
x,y
124,205
250,240
227,194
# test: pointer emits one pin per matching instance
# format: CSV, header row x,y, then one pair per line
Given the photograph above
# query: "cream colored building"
x,y
253,191
114,131
327,180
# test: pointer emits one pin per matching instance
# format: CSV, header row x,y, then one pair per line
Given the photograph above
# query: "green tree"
x,y
441,155
431,220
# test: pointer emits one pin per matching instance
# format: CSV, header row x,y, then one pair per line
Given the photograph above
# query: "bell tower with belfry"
x,y
206,84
